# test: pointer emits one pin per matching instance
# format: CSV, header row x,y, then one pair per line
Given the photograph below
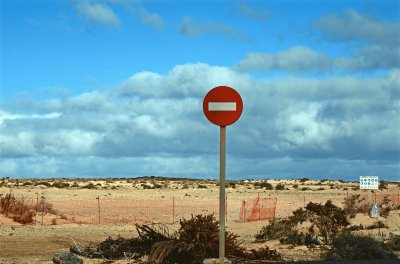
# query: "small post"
x,y
173,209
398,197
98,207
226,208
244,211
222,163
304,200
42,208
37,207
259,207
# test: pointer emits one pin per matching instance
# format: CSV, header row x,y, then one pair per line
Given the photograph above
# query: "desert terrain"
x,y
87,211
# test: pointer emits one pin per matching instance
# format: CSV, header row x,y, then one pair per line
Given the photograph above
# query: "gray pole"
x,y
222,159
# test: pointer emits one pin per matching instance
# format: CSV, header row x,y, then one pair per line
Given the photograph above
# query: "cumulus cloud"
x,y
153,124
189,80
189,28
97,13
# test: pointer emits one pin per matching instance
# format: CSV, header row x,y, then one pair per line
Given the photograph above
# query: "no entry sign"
x,y
222,106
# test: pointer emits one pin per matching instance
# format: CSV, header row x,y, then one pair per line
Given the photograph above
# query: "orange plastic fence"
x,y
258,209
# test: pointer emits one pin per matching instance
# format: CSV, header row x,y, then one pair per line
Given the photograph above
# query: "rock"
x,y
394,234
216,261
66,258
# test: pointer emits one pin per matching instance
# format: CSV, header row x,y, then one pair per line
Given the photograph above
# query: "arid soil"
x,y
37,243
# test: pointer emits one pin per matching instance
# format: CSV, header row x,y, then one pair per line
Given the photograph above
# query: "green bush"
x,y
296,238
280,187
60,185
347,246
355,227
378,224
393,244
276,229
328,218
263,184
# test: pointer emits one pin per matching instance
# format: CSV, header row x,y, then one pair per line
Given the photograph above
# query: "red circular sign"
x,y
222,106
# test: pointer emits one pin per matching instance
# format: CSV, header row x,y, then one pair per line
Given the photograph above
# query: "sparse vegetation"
x,y
276,229
16,209
60,185
263,184
347,246
382,185
297,238
328,219
378,224
196,239
354,204
90,185
280,187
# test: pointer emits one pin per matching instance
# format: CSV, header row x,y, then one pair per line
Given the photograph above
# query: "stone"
x,y
393,234
216,261
66,258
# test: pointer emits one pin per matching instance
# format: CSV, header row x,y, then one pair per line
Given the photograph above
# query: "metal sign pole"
x,y
222,170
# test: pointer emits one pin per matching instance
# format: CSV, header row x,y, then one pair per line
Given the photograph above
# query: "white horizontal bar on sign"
x,y
222,106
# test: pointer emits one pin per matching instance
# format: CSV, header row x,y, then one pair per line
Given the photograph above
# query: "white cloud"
x,y
4,116
299,125
153,124
189,80
97,13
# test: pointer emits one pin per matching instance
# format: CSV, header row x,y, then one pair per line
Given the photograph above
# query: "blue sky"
x,y
113,88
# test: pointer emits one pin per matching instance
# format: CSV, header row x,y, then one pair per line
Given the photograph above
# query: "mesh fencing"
x,y
126,211
130,211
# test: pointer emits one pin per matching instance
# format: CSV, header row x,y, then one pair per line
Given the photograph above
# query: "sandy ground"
x,y
37,243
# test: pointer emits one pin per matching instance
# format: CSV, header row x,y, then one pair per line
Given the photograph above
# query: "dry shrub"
x,y
199,239
264,253
25,217
196,239
16,209
170,249
203,232
7,203
46,207
354,204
